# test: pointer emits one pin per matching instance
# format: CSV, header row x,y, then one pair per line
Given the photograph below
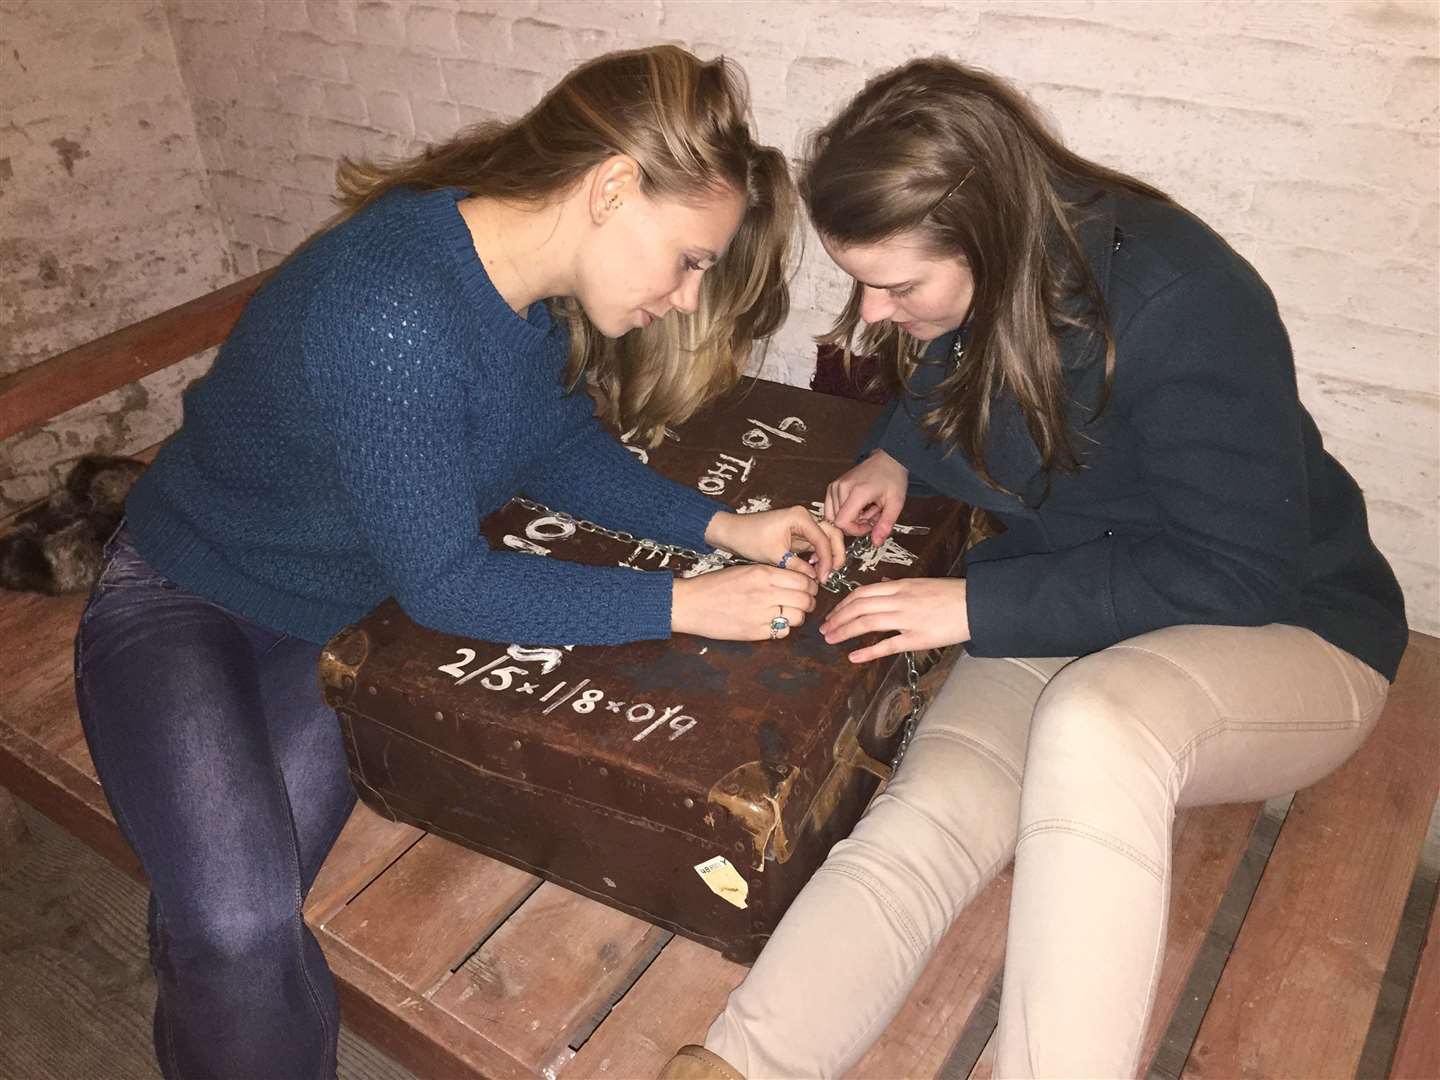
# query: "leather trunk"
x,y
693,783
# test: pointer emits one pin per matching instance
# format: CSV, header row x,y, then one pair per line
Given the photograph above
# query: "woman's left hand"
x,y
929,613
767,536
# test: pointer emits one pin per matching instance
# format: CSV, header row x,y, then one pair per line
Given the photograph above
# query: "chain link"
x,y
837,582
917,709
673,550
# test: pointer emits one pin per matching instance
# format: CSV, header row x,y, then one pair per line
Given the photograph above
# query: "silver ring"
x,y
785,559
777,625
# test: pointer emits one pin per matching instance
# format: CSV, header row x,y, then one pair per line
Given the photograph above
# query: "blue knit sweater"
x,y
375,400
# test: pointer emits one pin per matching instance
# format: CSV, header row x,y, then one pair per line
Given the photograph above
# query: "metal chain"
x,y
837,582
620,535
912,718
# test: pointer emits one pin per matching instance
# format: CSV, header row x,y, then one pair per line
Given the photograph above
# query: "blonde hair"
x,y
959,159
686,123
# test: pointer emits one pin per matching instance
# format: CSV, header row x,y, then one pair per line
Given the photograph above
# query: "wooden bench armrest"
x,y
42,392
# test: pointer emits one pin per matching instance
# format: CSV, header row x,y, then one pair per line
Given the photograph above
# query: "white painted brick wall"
x,y
105,215
1305,133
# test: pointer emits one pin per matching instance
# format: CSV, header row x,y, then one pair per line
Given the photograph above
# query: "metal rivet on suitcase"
x,y
604,771
439,716
371,690
689,803
515,745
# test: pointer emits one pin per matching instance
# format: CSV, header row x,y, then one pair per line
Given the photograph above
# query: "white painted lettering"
x,y
548,659
502,677
680,725
587,701
550,527
784,430
457,669
519,543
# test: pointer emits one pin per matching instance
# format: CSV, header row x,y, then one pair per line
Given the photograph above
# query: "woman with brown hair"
x,y
1184,606
402,375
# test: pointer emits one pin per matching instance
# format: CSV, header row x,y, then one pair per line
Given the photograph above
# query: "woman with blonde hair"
x,y
399,377
1184,606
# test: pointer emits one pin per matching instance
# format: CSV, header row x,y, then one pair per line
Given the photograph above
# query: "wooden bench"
x,y
1298,933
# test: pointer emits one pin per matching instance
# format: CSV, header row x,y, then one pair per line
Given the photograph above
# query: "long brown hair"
x,y
958,159
686,123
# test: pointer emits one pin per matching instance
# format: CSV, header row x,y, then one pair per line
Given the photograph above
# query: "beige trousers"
x,y
1076,768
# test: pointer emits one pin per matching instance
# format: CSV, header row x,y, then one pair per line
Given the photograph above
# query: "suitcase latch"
x,y
755,795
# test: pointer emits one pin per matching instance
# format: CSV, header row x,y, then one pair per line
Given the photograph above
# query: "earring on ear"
x,y
613,203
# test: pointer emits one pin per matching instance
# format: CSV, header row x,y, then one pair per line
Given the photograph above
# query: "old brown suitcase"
x,y
693,783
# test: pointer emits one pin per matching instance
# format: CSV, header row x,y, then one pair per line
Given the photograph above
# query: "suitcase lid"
x,y
702,730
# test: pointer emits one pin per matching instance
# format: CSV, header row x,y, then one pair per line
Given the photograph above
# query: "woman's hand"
x,y
869,497
766,537
928,613
737,604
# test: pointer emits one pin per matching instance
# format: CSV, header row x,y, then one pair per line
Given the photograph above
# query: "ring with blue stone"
x,y
778,625
785,559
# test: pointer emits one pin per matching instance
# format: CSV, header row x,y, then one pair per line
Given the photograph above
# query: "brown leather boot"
x,y
696,1063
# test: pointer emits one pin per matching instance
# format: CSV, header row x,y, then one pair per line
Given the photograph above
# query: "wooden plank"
x,y
412,1030
430,909
39,635
919,1040
1314,945
12,824
45,390
77,756
1208,846
366,846
1417,1055
985,1064
54,722
62,793
546,971
673,1004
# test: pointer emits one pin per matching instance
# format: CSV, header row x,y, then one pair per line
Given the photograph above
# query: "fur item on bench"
x,y
55,547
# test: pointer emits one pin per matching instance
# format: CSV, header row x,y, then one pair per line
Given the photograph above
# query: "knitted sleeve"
x,y
590,474
388,369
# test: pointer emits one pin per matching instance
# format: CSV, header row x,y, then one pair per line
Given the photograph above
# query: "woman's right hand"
x,y
869,497
738,603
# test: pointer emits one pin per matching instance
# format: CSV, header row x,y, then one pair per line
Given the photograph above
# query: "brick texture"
x,y
106,216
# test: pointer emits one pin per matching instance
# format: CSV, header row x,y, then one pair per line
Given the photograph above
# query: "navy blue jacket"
x,y
1205,495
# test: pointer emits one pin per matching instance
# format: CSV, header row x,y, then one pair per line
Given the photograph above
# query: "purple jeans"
x,y
226,773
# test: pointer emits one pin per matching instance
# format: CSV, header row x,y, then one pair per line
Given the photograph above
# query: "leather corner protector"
x,y
340,663
755,795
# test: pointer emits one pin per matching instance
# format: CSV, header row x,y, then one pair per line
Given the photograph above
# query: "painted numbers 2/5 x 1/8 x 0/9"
x,y
581,697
